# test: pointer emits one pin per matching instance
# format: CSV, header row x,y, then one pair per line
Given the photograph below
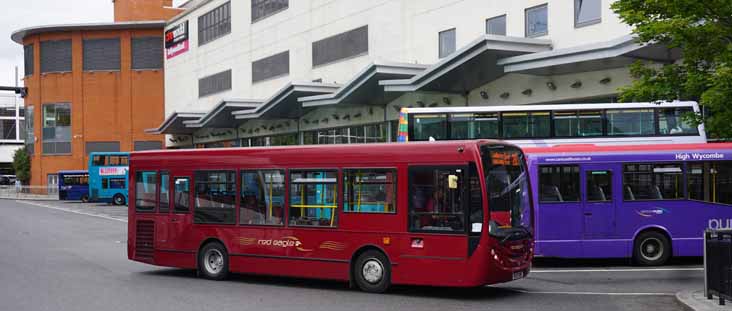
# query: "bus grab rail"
x,y
718,264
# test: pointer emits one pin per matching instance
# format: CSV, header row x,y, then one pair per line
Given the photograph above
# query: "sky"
x,y
19,14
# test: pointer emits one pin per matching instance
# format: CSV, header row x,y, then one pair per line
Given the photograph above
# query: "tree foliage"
x,y
702,30
22,165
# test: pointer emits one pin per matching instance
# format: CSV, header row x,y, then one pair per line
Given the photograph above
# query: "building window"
x,y
215,197
270,67
496,25
7,129
28,57
369,191
103,146
262,197
537,21
264,8
214,24
214,83
30,136
341,46
447,42
587,12
56,128
436,199
101,54
653,182
148,145
56,56
559,183
357,134
313,198
147,53
146,183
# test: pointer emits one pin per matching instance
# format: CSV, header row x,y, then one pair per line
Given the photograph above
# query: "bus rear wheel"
x,y
118,199
372,272
213,261
85,199
651,248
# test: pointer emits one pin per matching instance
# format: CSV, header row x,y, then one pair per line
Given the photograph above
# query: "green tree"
x,y
22,165
702,30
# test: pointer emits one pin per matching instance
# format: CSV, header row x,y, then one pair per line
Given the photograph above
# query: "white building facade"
x,y
12,129
271,72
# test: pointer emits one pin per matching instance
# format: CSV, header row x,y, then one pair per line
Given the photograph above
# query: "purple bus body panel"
x,y
607,230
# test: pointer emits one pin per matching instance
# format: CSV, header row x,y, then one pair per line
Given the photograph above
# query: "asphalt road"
x,y
60,256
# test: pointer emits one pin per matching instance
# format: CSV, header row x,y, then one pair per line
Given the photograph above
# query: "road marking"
x,y
70,210
590,293
613,270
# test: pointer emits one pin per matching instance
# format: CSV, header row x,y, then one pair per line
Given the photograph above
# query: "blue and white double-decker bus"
x,y
108,177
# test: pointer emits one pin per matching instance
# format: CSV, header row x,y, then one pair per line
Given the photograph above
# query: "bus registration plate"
x,y
518,275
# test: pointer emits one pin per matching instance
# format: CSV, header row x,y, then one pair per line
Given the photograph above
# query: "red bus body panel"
x,y
326,253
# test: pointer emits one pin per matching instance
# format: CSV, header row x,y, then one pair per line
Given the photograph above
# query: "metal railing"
x,y
718,264
28,193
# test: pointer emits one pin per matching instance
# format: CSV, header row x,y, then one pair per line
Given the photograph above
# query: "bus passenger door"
x,y
180,216
599,197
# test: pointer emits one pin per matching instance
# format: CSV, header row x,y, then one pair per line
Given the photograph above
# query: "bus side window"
x,y
559,183
181,195
369,191
163,199
436,199
145,190
262,197
313,198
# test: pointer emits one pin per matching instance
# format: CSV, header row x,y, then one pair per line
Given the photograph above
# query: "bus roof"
x,y
334,153
626,148
73,172
109,153
554,107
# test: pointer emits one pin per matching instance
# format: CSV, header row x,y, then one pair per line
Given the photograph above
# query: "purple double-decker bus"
x,y
646,202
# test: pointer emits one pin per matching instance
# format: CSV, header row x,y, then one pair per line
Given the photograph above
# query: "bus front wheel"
x,y
372,272
118,199
651,248
213,261
85,199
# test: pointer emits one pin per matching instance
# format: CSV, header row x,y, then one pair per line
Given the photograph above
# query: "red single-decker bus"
x,y
454,213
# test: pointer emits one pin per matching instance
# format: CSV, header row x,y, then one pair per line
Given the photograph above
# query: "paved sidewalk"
x,y
695,300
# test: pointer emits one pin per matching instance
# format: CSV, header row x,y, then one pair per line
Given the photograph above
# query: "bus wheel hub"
x,y
214,260
372,271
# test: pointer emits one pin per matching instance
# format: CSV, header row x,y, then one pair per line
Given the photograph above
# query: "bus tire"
x,y
85,199
651,248
213,261
118,199
372,272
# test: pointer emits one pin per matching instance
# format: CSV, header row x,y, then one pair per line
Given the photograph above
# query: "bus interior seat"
x,y
629,193
551,194
657,193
